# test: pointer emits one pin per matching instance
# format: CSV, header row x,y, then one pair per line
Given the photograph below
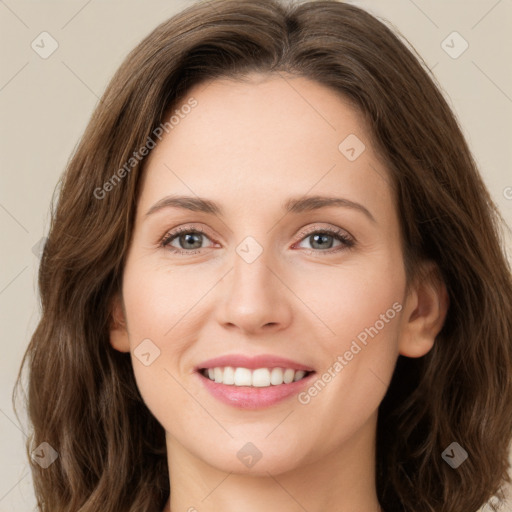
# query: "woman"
x,y
369,370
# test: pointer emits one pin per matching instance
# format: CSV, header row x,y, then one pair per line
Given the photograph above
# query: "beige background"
x,y
46,103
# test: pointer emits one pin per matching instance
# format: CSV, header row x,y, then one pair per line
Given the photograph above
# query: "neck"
x,y
342,480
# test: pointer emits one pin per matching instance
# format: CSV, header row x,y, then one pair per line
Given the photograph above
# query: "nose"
x,y
255,299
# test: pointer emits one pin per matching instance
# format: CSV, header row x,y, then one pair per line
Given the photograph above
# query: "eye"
x,y
190,239
184,240
322,240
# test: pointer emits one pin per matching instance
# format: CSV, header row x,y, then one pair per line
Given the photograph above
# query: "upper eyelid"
x,y
194,228
314,229
183,229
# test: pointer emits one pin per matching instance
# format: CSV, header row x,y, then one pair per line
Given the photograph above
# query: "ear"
x,y
424,313
118,330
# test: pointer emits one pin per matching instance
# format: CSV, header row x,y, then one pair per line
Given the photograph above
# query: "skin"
x,y
250,146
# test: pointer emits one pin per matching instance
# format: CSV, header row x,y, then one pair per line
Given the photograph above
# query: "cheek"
x,y
357,351
160,301
353,300
154,304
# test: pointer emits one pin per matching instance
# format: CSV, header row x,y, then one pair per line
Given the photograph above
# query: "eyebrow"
x,y
292,205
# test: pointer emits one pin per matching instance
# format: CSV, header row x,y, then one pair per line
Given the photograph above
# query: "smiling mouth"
x,y
258,378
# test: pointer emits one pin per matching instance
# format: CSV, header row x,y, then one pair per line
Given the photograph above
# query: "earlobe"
x,y
119,339
424,313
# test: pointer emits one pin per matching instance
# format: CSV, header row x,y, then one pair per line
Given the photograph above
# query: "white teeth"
x,y
260,378
288,375
229,375
298,375
276,376
243,376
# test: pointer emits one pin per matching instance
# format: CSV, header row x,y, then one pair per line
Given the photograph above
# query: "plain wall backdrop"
x,y
46,100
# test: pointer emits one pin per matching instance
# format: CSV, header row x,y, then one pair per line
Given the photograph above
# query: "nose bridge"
x,y
255,297
251,273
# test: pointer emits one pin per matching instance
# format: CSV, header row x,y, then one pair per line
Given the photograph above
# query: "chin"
x,y
257,459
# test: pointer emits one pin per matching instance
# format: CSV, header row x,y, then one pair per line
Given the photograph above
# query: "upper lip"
x,y
260,361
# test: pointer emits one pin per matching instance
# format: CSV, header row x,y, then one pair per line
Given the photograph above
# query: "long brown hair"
x,y
82,395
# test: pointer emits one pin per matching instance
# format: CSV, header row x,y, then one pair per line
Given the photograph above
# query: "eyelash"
x,y
347,242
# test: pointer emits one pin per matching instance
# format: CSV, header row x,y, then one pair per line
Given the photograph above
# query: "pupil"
x,y
321,237
188,238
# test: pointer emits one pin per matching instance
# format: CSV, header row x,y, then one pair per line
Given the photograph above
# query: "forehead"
x,y
275,112
266,134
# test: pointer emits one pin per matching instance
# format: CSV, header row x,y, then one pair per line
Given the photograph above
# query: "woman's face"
x,y
250,268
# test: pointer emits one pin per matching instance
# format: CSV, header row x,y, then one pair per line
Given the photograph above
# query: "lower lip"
x,y
248,397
